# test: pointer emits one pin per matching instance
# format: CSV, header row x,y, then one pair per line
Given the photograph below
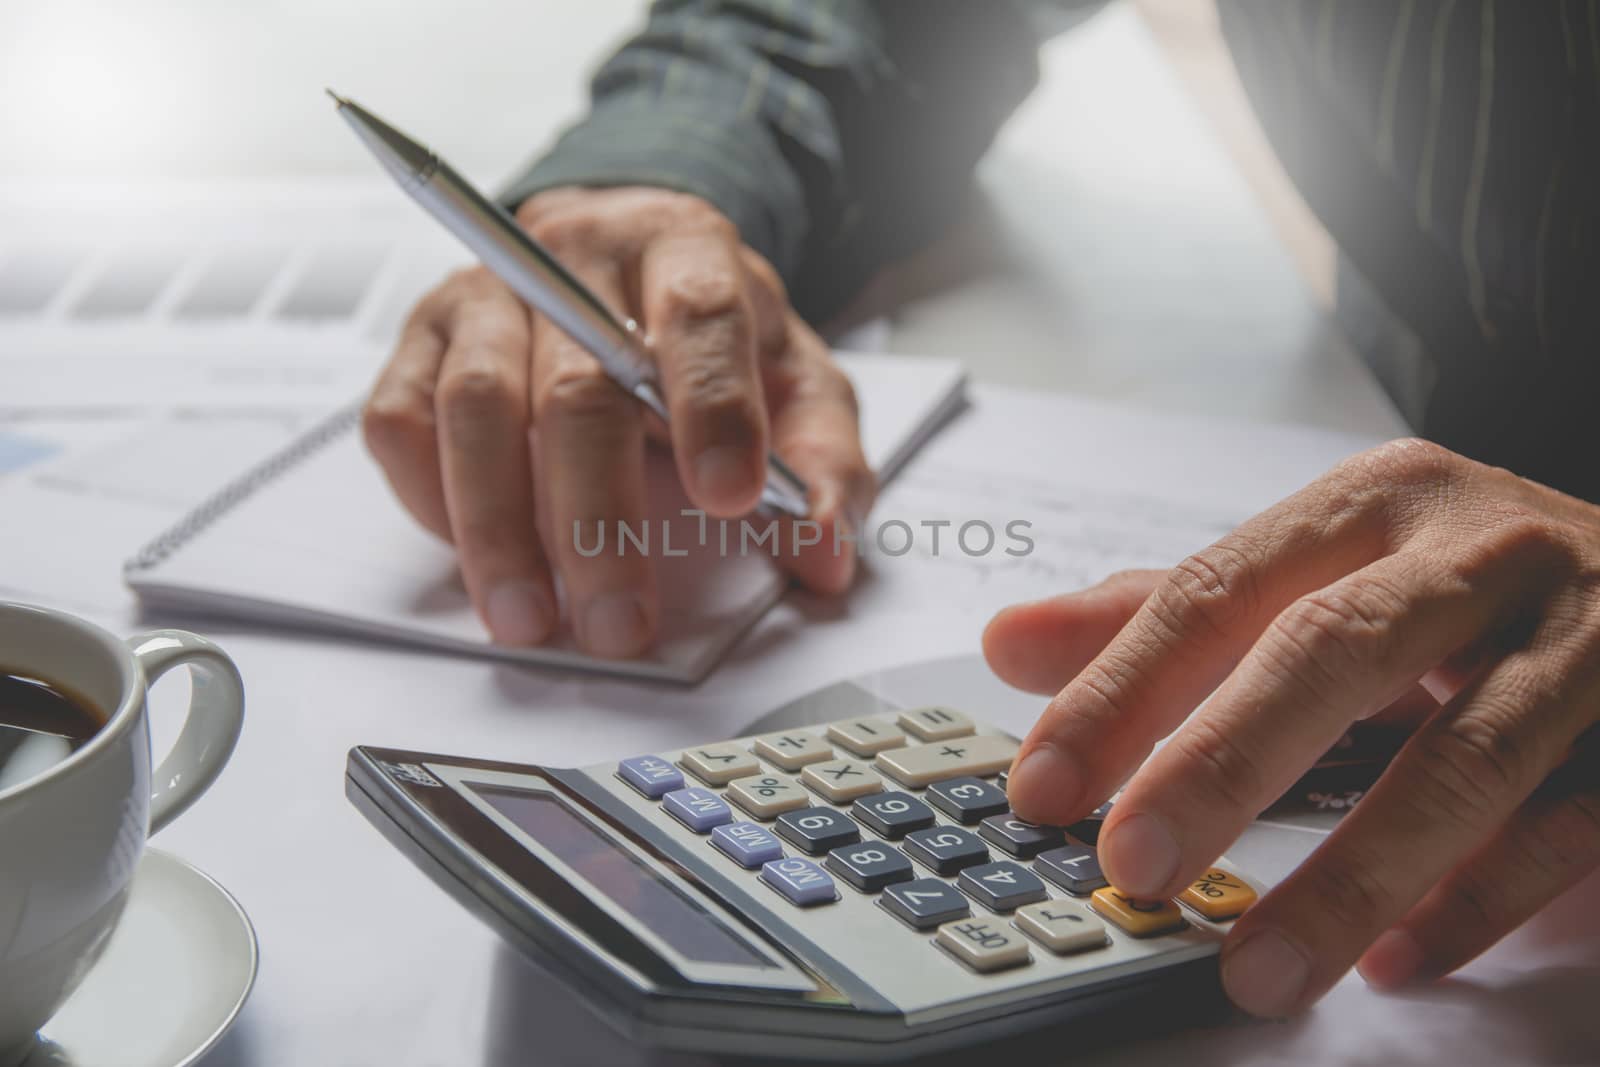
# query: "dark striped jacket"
x,y
1451,147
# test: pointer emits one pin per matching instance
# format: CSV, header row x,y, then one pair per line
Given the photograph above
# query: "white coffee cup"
x,y
71,835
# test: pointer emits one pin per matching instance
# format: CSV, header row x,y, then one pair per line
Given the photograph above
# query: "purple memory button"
x,y
698,809
746,844
650,775
802,881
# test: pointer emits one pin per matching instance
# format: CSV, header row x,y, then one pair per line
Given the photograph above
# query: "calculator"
x,y
845,882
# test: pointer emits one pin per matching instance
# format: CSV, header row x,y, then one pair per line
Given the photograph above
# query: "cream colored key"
x,y
1061,926
866,737
719,764
840,780
918,765
791,751
936,724
767,795
984,944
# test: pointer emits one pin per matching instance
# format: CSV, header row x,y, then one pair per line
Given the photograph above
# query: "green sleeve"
x,y
838,135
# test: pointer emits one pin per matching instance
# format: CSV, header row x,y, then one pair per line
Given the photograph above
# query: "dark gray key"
x,y
870,865
945,849
1002,886
892,814
1021,839
926,902
816,830
1087,829
967,799
1074,868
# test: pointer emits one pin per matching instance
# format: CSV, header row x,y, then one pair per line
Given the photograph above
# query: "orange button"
x,y
1218,895
1140,919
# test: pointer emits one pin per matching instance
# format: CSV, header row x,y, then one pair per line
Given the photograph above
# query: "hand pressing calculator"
x,y
847,882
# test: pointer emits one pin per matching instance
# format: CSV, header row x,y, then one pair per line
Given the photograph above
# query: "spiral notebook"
x,y
312,538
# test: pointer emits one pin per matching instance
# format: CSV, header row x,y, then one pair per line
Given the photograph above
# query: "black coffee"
x,y
40,725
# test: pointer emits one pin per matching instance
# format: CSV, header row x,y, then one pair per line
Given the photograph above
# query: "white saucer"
x,y
174,975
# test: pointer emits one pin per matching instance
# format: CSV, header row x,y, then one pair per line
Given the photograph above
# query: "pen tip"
x,y
337,99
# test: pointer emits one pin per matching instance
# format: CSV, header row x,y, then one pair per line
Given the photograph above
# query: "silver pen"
x,y
538,277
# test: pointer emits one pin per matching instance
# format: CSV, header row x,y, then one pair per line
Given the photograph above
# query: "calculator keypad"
x,y
945,849
700,810
935,724
720,764
893,815
869,866
766,796
1218,895
746,844
866,737
1135,917
984,944
918,765
817,830
841,780
967,799
1062,927
792,750
1002,886
907,811
652,776
926,902
801,881
1074,868
1021,839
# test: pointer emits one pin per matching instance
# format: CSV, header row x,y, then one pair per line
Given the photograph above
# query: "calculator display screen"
x,y
630,885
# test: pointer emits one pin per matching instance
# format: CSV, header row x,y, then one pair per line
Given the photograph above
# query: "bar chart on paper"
x,y
229,293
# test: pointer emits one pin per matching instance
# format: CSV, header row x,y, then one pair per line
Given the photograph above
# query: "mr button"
x,y
983,944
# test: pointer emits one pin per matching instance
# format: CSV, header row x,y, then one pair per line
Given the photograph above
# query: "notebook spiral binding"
x,y
235,492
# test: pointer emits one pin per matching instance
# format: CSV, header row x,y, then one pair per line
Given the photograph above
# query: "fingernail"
x,y
1393,960
615,626
519,613
1140,855
1043,783
1266,975
723,471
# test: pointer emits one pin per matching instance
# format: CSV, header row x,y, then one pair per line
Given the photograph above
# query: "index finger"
x,y
702,323
1196,625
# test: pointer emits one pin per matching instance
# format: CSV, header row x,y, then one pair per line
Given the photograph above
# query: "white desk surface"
x,y
1137,269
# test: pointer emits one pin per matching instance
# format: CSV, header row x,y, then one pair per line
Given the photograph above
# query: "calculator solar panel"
x,y
857,887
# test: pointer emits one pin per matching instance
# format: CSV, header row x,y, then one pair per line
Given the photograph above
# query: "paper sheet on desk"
x,y
119,295
313,537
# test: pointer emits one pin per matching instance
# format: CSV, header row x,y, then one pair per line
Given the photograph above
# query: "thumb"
x,y
1040,646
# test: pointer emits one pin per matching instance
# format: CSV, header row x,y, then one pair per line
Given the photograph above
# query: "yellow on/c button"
x,y
1218,895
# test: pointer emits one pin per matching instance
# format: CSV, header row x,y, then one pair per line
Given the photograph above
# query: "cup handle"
x,y
216,714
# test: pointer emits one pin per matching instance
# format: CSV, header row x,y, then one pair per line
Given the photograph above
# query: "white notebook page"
x,y
325,544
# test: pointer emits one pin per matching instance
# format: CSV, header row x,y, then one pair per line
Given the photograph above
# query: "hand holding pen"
x,y
500,431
